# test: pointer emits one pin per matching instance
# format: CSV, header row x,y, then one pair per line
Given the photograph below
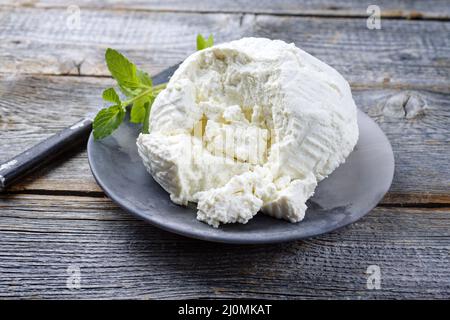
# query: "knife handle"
x,y
42,153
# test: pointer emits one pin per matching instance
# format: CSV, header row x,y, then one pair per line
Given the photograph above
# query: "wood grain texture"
x,y
121,257
41,41
415,121
434,9
52,74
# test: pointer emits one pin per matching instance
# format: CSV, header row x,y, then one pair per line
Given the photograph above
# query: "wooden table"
x,y
58,224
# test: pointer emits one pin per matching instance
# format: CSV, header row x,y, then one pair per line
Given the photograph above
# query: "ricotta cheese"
x,y
249,126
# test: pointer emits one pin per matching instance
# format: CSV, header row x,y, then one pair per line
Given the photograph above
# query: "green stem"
x,y
146,124
160,86
155,89
140,95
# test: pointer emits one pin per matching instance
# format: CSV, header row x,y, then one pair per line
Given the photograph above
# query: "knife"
x,y
42,153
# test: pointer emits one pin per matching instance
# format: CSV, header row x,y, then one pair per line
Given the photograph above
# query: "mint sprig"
x,y
203,43
137,86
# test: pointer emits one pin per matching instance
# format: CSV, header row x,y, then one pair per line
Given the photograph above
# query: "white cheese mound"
x,y
247,126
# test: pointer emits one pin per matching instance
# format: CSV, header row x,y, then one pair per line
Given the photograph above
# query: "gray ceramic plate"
x,y
348,194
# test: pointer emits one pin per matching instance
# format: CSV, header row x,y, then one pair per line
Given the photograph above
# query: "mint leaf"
x,y
107,120
144,78
111,95
146,125
121,69
210,41
138,111
203,43
200,42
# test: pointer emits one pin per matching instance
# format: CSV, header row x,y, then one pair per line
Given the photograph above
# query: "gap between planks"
x,y
389,201
326,14
353,85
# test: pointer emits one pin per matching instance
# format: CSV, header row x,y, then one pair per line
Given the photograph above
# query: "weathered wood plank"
x,y
34,107
406,53
400,78
356,8
119,256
